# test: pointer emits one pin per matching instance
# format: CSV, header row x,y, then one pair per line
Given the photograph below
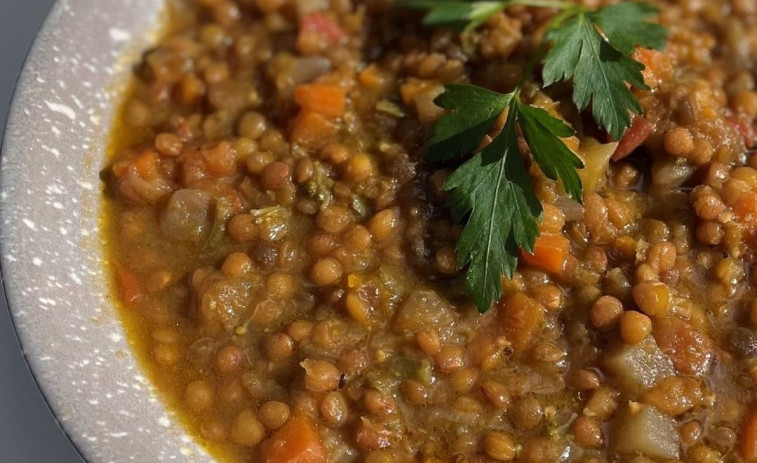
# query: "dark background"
x,y
28,432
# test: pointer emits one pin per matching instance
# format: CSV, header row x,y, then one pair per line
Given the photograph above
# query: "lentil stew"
x,y
285,260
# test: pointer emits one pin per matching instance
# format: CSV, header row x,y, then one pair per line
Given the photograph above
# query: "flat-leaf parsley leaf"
x,y
492,190
459,15
600,67
473,112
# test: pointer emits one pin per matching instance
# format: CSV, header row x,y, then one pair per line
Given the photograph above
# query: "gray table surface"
x,y
28,432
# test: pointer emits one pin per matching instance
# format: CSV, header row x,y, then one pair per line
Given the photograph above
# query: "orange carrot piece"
x,y
551,251
326,99
749,438
521,319
128,285
371,77
658,66
298,441
634,137
147,164
746,205
312,129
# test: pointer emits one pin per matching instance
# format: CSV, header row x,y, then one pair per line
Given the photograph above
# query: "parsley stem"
x,y
558,4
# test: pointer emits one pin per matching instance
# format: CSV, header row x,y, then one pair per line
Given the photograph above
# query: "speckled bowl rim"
x,y
3,291
51,255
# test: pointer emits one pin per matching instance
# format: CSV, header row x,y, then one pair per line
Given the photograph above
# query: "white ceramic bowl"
x,y
52,259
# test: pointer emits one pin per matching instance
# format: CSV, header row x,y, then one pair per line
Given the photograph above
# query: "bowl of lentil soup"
x,y
291,216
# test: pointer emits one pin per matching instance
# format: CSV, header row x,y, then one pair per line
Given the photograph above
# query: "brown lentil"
x,y
634,327
246,429
273,414
500,446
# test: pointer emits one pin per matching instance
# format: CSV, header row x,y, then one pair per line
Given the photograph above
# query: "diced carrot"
x,y
521,319
324,99
634,137
312,129
551,251
371,78
658,66
745,207
147,164
749,438
688,347
298,441
128,285
323,25
220,160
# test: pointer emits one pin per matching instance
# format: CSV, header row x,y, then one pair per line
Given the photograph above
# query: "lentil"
x,y
274,414
246,429
634,327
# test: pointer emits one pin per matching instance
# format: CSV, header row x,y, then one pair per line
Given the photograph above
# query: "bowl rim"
x,y
12,114
54,278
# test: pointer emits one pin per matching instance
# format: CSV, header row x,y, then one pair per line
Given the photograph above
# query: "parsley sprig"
x,y
601,66
465,16
492,189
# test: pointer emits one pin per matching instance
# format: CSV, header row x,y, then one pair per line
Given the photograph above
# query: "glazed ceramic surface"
x,y
52,259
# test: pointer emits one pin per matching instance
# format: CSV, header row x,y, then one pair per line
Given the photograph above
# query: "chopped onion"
x,y
187,215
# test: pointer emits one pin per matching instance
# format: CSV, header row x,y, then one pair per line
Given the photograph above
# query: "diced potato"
x,y
424,310
225,302
187,215
639,367
644,429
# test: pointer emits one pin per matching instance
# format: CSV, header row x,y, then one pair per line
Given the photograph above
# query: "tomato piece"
x,y
634,137
323,25
744,127
128,285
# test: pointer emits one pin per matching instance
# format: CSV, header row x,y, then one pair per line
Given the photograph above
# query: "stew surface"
x,y
286,264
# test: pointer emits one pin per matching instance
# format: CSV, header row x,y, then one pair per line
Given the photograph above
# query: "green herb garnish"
x,y
601,67
492,189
